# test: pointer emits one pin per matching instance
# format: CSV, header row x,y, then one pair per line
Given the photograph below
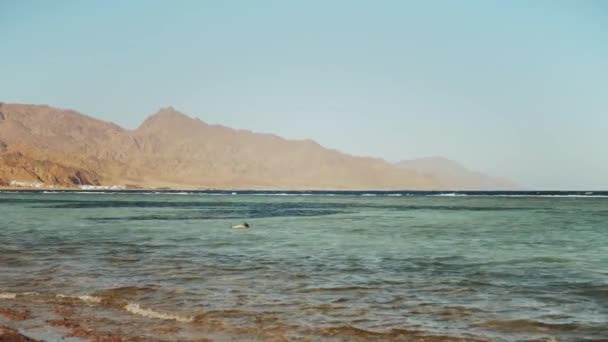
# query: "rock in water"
x,y
11,335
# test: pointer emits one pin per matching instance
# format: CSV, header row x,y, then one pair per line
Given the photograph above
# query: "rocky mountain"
x,y
169,149
452,175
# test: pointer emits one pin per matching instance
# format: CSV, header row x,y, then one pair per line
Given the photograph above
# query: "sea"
x,y
314,266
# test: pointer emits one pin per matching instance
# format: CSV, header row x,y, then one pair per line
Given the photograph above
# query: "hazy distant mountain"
x,y
170,149
454,176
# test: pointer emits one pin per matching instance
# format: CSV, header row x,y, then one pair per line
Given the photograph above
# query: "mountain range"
x,y
42,144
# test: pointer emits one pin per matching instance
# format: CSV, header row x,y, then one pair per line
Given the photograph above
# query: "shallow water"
x,y
484,267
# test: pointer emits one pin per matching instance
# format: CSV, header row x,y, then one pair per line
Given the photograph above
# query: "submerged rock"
x,y
15,315
11,335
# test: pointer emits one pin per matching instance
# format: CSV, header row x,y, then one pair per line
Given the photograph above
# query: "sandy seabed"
x,y
33,317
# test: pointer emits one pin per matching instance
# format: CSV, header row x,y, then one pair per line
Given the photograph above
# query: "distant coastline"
x,y
280,192
46,147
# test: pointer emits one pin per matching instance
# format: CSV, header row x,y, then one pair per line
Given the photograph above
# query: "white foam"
x,y
134,308
84,298
91,192
11,295
452,194
90,299
6,295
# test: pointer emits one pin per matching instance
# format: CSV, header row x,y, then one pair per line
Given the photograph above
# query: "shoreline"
x,y
320,192
72,318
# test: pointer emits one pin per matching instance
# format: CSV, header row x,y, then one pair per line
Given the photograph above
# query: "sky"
x,y
517,89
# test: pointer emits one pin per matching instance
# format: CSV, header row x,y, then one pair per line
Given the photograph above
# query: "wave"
x,y
12,295
544,196
334,289
516,195
451,194
527,325
131,307
280,194
558,196
84,298
380,193
136,309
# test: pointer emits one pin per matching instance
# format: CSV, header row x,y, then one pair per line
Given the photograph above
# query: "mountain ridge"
x,y
455,176
172,149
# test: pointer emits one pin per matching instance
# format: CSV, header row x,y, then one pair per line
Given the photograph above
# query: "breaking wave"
x,y
84,298
136,309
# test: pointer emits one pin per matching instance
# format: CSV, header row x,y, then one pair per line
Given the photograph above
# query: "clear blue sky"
x,y
512,88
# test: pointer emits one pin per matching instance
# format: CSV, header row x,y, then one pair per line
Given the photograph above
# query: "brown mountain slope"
x,y
15,166
171,149
454,176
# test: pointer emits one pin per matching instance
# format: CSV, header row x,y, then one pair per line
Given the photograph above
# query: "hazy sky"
x,y
512,88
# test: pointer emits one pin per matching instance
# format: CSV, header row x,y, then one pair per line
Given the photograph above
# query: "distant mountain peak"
x,y
169,112
168,117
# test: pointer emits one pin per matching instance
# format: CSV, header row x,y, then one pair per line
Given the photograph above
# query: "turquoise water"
x,y
486,267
